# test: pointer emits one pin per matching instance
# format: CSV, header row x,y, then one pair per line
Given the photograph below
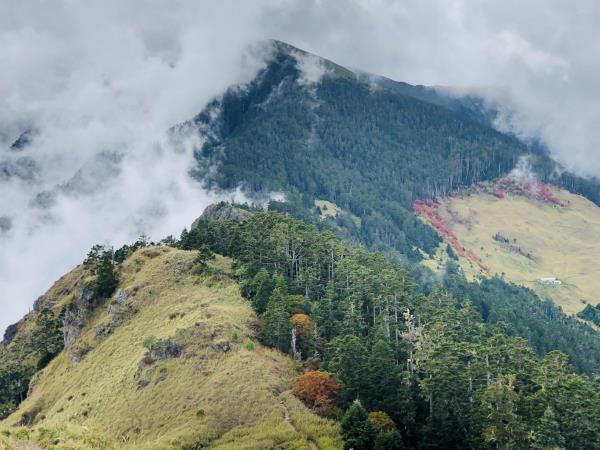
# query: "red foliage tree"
x,y
316,388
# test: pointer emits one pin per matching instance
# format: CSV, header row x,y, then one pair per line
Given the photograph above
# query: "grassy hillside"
x,y
168,362
527,239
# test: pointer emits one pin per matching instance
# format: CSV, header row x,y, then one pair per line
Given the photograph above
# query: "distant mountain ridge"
x,y
369,144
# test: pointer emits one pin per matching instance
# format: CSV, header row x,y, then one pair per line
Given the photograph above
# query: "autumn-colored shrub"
x,y
316,388
381,421
303,324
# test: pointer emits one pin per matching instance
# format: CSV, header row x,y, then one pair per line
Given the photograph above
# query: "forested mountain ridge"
x,y
372,146
368,144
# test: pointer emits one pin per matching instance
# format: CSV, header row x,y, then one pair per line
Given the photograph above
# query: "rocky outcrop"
x,y
223,346
10,333
166,349
161,350
77,313
222,211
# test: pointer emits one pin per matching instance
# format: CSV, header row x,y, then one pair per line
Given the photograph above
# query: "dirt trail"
x,y
25,445
286,415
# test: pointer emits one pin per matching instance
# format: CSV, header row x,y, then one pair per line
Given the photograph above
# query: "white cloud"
x,y
102,83
312,68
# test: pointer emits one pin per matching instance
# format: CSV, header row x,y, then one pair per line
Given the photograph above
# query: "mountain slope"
x,y
337,137
528,239
316,131
369,148
168,363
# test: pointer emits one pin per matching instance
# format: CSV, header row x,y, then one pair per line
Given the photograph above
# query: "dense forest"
x,y
371,145
400,368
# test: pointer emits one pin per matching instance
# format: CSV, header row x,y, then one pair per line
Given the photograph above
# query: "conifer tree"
x,y
263,286
346,358
106,277
357,430
547,434
389,440
277,329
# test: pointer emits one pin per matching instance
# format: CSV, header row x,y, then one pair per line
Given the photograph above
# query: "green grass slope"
x,y
168,363
542,240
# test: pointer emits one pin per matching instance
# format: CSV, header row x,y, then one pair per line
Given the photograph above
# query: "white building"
x,y
549,280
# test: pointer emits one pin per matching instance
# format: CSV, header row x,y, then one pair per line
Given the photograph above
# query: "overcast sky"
x,y
100,82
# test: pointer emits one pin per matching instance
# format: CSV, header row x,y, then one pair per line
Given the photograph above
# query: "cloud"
x,y
536,61
99,83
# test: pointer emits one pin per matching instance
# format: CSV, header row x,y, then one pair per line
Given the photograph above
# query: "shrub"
x,y
316,388
150,343
250,345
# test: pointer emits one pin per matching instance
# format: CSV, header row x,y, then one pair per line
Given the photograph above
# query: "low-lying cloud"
x,y
98,84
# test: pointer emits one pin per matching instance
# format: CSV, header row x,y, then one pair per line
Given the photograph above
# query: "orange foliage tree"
x,y
304,332
382,421
303,324
316,388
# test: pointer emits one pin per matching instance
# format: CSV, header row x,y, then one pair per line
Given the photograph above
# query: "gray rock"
x,y
223,346
120,296
222,211
77,314
166,349
103,330
10,333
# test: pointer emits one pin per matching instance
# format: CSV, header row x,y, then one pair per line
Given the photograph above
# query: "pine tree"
x,y
389,440
346,358
48,336
382,379
323,314
547,434
357,430
277,329
204,255
106,278
263,287
503,428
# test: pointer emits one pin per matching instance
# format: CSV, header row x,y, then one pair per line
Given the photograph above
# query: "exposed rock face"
x,y
10,333
222,211
222,346
39,303
166,349
77,314
169,348
121,296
